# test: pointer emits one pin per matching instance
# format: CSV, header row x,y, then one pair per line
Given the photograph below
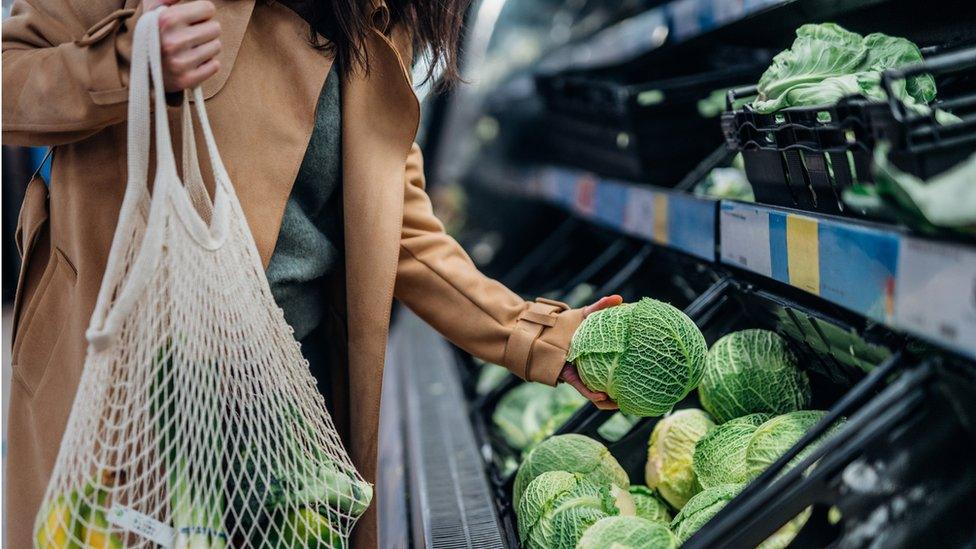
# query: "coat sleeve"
x,y
438,281
65,68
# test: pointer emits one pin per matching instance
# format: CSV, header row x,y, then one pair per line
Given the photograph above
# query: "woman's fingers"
x,y
602,303
197,56
198,75
149,5
190,42
599,399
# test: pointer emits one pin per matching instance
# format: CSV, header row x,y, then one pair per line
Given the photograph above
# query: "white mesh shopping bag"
x,y
197,423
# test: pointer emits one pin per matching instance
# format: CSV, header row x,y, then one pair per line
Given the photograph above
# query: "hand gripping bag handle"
x,y
137,204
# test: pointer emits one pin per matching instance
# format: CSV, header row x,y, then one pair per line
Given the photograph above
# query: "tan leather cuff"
x,y
536,349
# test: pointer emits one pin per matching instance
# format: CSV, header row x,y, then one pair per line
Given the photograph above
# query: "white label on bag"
x,y
143,525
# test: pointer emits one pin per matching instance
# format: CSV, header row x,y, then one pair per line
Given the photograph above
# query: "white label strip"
x,y
744,234
639,213
935,295
143,525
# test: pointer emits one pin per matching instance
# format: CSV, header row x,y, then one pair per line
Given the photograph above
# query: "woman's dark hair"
x,y
435,24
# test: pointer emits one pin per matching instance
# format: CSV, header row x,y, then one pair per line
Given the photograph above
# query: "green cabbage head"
x,y
749,372
646,355
774,437
701,508
650,506
720,455
558,507
532,411
627,533
572,453
670,452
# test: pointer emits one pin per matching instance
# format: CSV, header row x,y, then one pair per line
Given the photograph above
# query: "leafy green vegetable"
x,y
532,411
782,538
646,355
627,533
701,508
720,455
752,371
945,203
304,528
827,62
489,377
730,183
196,493
669,455
649,505
774,437
558,507
572,453
617,426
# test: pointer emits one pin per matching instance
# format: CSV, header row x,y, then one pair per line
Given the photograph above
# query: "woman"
x,y
317,131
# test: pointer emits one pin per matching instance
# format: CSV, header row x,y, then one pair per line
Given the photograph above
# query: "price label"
x,y
803,253
744,241
639,213
935,295
586,195
661,219
142,524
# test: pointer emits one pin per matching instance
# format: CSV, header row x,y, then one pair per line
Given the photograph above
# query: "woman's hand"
x,y
190,42
571,375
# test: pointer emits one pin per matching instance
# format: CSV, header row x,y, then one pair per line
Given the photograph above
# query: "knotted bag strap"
x,y
539,315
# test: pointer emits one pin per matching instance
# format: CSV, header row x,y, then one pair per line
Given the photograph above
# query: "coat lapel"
x,y
233,16
380,114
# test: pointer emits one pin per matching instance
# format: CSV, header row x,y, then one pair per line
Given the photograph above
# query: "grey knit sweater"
x,y
310,242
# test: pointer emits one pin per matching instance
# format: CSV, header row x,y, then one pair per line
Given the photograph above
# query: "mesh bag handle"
x,y
196,423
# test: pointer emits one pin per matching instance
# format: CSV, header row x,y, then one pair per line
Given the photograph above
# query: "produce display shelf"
x,y
664,217
669,23
917,285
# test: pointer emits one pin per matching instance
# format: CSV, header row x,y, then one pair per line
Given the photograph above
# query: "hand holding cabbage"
x,y
645,356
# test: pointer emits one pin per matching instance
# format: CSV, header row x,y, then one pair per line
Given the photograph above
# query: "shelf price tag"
x,y
935,295
803,253
639,213
661,219
744,233
586,195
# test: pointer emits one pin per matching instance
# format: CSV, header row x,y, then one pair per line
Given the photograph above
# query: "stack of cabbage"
x,y
754,397
571,492
533,411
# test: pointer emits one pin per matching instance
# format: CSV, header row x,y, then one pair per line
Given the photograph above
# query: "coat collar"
x,y
234,15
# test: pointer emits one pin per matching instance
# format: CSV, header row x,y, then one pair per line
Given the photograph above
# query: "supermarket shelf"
x,y
668,218
912,284
670,23
916,285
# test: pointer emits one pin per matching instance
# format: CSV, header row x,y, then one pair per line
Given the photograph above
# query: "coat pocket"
x,y
33,245
42,322
44,290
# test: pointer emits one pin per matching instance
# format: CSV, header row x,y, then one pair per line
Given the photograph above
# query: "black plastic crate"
x,y
649,131
804,157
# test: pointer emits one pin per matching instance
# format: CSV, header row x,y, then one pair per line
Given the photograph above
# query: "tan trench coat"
x,y
65,68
